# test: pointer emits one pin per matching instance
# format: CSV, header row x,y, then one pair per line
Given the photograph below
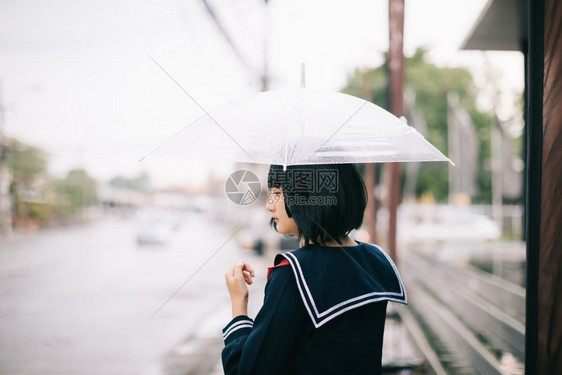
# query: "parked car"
x,y
155,227
257,242
445,223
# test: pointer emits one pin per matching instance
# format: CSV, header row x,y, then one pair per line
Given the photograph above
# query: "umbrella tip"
x,y
303,83
284,167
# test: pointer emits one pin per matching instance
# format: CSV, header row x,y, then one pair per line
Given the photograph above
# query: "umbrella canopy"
x,y
301,126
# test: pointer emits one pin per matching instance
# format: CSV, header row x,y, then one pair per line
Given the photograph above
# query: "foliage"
x,y
140,183
25,162
431,85
38,197
77,190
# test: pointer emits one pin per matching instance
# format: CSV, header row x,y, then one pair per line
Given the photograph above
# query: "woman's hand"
x,y
237,277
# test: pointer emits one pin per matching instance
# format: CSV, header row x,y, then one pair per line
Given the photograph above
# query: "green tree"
x,y
140,183
25,162
78,190
431,85
28,166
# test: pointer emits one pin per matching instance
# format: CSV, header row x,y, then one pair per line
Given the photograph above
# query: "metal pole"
x,y
496,153
396,76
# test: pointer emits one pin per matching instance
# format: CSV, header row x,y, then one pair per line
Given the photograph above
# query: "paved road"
x,y
79,301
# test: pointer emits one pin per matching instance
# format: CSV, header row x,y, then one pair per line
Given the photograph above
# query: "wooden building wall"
x,y
549,335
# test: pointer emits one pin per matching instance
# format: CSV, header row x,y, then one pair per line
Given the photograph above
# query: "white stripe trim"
x,y
402,289
354,306
237,328
304,282
237,324
293,260
300,290
321,314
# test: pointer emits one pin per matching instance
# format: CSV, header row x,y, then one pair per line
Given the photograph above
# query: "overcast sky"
x,y
77,81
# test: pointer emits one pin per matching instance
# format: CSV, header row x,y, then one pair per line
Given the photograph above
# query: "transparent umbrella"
x,y
301,126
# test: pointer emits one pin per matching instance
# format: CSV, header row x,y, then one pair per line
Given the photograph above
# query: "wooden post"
x,y
549,273
396,77
370,175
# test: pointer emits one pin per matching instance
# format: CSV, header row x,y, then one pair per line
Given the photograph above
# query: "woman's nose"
x,y
269,204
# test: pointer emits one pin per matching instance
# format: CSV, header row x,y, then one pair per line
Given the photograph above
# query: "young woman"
x,y
325,303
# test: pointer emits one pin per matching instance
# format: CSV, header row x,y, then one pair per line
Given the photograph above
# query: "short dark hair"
x,y
321,212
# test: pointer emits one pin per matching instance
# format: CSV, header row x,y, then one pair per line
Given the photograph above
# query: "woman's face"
x,y
276,206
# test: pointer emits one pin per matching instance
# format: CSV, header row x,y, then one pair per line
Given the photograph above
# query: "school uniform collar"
x,y
333,280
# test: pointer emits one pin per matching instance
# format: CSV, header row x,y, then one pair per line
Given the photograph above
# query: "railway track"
x,y
464,321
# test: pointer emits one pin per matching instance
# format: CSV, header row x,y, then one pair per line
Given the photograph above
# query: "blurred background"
x,y
111,263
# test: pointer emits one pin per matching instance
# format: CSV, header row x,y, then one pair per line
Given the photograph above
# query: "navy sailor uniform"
x,y
323,313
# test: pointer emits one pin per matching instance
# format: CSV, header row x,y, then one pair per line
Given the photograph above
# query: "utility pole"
x,y
370,175
396,77
266,25
5,201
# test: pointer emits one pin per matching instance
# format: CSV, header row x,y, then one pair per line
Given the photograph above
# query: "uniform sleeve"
x,y
268,344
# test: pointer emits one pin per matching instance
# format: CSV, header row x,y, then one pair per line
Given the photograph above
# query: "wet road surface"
x,y
80,300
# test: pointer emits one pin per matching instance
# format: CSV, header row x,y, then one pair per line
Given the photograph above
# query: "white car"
x,y
445,223
154,227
